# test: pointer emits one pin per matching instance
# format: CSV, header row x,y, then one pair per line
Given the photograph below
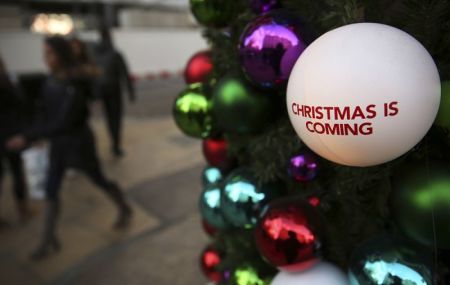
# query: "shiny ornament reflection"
x,y
269,48
289,234
243,198
209,260
192,112
248,275
211,175
303,167
198,68
389,261
210,207
314,201
263,6
322,273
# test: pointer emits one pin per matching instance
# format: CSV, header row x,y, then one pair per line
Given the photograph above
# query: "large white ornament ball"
x,y
363,94
321,274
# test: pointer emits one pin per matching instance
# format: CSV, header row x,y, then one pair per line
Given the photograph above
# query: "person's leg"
x,y
113,191
117,120
19,184
49,239
113,109
108,116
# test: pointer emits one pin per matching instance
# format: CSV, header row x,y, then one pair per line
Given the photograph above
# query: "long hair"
x,y
63,51
83,57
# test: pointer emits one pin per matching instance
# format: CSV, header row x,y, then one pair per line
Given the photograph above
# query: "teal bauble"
x,y
210,207
386,260
243,198
213,13
240,108
443,116
192,112
420,203
211,175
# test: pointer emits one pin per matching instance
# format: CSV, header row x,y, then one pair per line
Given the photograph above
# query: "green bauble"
x,y
419,193
443,117
213,13
248,275
243,199
238,107
192,112
387,261
210,202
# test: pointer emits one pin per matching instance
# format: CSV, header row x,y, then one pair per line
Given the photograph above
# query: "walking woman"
x,y
64,122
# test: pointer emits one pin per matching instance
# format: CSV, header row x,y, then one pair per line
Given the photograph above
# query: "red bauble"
x,y
198,68
289,234
209,260
210,230
216,153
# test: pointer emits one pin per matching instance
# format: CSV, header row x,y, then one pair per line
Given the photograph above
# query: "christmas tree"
x,y
323,185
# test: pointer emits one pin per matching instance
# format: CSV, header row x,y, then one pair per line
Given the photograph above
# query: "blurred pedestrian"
x,y
114,72
64,121
11,122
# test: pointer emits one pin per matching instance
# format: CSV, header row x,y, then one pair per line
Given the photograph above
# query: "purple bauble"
x,y
303,167
263,6
269,48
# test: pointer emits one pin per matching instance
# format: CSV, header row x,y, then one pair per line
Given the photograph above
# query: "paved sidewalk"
x,y
161,174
